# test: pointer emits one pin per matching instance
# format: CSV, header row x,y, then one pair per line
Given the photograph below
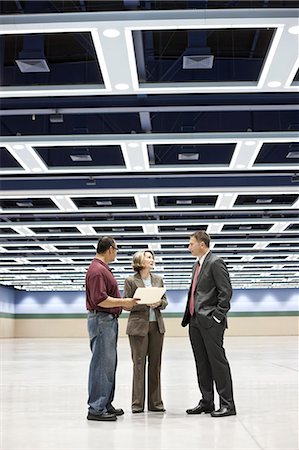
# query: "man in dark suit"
x,y
207,306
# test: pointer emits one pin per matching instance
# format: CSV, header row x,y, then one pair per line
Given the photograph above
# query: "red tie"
x,y
191,300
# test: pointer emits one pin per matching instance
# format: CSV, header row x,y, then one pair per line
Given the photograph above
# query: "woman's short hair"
x,y
137,260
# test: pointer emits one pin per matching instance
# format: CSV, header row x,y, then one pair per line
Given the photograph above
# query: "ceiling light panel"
x,y
278,154
187,20
25,204
174,45
51,50
192,154
58,158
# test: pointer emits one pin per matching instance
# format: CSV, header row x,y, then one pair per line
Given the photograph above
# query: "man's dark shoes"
x,y
105,417
157,409
115,411
200,409
224,411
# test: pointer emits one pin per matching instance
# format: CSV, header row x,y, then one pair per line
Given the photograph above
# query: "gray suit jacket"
x,y
138,322
212,293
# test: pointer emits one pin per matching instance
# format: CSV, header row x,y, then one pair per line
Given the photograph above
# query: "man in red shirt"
x,y
104,305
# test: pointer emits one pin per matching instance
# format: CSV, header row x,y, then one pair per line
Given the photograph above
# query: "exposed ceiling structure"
x,y
148,120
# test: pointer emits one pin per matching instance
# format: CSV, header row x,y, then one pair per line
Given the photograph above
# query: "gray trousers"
x,y
147,349
211,363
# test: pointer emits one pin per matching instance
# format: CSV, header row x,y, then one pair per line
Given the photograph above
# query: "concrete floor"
x,y
43,392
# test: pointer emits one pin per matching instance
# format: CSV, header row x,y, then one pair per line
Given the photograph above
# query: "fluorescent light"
x,y
56,118
264,200
24,203
104,202
294,30
133,144
32,65
121,86
183,202
198,61
293,155
274,84
111,33
188,156
81,157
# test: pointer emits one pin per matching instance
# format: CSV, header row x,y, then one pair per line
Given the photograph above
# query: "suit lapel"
x,y
206,261
138,280
154,280
203,267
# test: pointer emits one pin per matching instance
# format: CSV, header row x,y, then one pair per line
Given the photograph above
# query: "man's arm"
x,y
112,302
223,284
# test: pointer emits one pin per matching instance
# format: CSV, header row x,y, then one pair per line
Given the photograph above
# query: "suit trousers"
x,y
147,348
211,362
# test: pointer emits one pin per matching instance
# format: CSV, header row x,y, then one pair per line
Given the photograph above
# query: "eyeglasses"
x,y
115,248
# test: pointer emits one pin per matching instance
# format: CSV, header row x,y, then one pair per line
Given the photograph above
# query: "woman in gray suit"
x,y
146,333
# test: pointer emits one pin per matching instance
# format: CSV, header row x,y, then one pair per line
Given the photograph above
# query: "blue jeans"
x,y
103,333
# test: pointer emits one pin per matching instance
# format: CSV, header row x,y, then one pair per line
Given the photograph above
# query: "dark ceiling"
x,y
148,120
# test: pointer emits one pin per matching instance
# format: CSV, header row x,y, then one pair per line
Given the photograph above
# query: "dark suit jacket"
x,y
212,293
138,322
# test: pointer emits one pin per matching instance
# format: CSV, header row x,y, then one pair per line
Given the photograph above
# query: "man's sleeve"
x,y
98,291
224,288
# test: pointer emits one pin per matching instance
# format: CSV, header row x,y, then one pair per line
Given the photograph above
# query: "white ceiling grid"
x,y
256,257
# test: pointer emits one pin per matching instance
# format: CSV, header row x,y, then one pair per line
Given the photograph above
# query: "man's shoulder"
x,y
215,261
96,268
212,258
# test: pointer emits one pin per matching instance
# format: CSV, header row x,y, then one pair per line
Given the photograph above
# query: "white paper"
x,y
149,295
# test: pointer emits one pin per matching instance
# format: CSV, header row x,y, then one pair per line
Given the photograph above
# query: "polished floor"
x,y
43,398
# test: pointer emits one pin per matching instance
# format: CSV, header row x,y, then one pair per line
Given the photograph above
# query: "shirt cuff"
x,y
216,320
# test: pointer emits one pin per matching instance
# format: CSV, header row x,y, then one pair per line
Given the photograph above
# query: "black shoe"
x,y
224,411
200,409
115,411
102,417
136,411
158,410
